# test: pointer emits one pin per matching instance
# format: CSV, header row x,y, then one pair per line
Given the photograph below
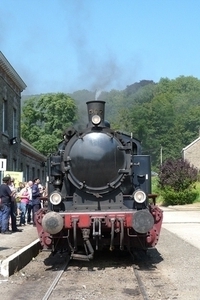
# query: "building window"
x,y
14,122
14,167
5,92
33,173
5,116
38,173
27,173
43,179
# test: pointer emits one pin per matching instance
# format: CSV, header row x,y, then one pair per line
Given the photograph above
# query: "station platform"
x,y
184,222
18,249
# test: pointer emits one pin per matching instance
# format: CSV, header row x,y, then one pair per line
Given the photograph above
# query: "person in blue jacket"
x,y
36,194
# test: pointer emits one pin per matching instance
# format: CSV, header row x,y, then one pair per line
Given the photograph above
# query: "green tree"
x,y
115,101
165,114
44,119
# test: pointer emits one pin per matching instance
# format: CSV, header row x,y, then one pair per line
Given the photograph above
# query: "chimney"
x,y
96,107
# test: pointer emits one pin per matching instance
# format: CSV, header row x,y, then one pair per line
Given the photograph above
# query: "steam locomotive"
x,y
99,192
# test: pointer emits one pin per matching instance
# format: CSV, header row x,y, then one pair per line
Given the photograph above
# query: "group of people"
x,y
23,201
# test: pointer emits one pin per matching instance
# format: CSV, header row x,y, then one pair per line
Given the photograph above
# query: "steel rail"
x,y
56,280
139,280
141,285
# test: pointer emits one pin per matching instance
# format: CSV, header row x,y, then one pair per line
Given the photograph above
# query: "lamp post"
x,y
161,154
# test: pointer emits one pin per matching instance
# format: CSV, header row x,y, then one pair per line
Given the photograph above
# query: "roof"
x,y
6,66
191,144
26,146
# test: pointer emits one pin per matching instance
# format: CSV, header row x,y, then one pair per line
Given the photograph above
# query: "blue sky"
x,y
68,45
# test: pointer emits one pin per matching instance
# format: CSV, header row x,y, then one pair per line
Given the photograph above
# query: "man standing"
x,y
36,198
6,199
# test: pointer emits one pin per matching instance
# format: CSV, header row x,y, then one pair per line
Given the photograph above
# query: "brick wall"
x,y
20,156
192,153
11,152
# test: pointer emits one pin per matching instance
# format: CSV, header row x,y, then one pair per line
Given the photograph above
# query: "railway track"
x,y
104,278
109,277
56,280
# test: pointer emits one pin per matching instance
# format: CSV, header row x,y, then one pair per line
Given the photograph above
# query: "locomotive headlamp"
x,y
55,198
139,196
96,120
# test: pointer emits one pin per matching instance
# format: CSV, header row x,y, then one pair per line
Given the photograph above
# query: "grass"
x,y
154,181
198,189
159,199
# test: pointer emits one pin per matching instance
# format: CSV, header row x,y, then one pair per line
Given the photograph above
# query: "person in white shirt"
x,y
30,204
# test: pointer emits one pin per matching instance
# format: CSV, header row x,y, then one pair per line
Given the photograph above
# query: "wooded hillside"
x,y
165,116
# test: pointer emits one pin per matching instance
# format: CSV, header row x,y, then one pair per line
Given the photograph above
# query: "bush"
x,y
179,198
176,181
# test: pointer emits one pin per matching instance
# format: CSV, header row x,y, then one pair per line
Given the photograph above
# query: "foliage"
x,y
197,186
133,88
163,115
44,119
179,198
176,181
177,174
166,114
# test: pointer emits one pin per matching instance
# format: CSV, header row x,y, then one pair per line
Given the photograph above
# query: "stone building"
x,y
191,153
19,155
32,162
